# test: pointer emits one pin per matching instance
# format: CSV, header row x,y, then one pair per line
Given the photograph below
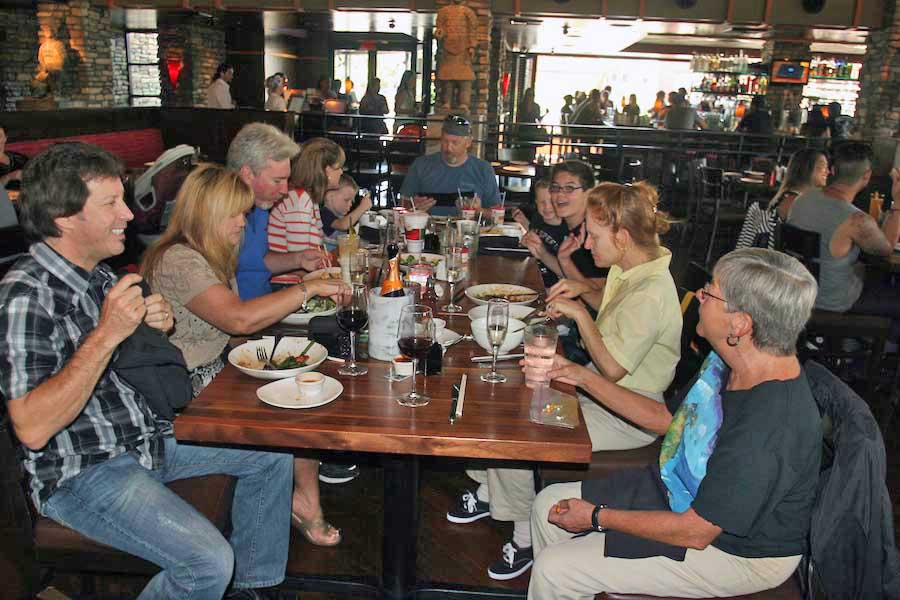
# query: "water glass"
x,y
540,348
359,266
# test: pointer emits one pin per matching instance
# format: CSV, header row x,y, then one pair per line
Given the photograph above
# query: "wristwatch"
x,y
595,518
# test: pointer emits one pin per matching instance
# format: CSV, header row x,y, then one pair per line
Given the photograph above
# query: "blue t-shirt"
x,y
252,273
430,174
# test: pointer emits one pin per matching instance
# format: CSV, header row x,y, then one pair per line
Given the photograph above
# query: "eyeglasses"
x,y
564,189
457,120
704,292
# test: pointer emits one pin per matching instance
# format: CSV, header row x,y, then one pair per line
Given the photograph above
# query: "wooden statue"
x,y
456,31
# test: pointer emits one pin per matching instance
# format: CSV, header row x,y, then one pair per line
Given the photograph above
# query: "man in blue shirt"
x,y
261,155
451,171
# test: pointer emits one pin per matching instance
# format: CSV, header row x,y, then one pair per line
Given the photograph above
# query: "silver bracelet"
x,y
302,285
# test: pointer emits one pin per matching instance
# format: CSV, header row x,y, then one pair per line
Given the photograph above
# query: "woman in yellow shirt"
x,y
635,341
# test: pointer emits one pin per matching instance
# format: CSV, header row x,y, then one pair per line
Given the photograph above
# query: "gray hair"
x,y
775,289
258,143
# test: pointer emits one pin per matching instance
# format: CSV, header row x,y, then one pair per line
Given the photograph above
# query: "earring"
x,y
733,340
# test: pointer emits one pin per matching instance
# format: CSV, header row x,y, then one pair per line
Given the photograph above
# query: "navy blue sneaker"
x,y
470,509
515,561
334,473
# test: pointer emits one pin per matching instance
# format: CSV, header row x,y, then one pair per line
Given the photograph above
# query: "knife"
x,y
483,359
455,395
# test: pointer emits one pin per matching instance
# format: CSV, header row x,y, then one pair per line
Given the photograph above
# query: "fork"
x,y
262,355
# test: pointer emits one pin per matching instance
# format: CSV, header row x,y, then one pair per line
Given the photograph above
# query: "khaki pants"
x,y
572,568
511,491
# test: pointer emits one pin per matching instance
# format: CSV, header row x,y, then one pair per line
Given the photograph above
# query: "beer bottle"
x,y
392,286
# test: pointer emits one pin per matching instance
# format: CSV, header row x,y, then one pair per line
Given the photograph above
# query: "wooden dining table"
x,y
366,418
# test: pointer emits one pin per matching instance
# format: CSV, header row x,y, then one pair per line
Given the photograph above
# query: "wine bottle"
x,y
392,286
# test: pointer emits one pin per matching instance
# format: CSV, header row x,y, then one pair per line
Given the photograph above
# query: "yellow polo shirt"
x,y
640,321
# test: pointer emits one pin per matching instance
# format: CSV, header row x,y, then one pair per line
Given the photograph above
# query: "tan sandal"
x,y
311,528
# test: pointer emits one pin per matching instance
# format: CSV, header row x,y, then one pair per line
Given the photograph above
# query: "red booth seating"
x,y
134,147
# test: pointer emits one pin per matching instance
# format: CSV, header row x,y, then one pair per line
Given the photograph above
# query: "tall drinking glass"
x,y
353,316
415,337
454,267
540,348
359,266
497,323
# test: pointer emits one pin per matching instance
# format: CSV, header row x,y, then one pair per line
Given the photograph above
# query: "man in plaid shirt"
x,y
96,455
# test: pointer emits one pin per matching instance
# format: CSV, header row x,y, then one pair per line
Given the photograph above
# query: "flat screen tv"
x,y
789,71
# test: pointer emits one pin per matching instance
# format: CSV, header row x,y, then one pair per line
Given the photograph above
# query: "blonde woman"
x,y
193,266
635,342
295,224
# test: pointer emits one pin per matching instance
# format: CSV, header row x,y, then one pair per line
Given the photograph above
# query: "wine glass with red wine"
x,y
415,337
353,316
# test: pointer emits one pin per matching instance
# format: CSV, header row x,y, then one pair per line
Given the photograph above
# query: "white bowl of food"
x,y
515,294
435,261
289,357
515,332
317,306
326,273
516,311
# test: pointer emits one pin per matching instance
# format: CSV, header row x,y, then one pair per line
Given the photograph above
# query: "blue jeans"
x,y
124,505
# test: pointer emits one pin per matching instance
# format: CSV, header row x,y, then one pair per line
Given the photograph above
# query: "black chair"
x,y
41,546
826,332
712,212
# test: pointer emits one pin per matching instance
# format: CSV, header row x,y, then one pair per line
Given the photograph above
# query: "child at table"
x,y
546,224
336,214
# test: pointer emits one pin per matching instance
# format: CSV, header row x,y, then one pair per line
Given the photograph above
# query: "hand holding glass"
x,y
540,348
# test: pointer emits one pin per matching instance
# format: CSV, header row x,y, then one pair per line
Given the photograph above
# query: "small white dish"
x,y
303,318
447,337
284,394
244,357
516,311
310,385
515,332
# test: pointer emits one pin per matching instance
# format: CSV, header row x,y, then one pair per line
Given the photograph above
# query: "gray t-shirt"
x,y
429,174
681,117
183,274
840,278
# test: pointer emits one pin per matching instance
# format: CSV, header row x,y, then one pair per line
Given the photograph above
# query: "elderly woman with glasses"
x,y
635,342
726,510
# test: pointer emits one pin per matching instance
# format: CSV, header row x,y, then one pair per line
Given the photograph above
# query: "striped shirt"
x,y
295,224
47,307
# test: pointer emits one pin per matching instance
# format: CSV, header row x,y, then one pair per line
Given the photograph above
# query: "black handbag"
x,y
326,331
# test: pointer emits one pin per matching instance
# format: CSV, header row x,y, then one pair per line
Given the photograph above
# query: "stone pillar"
x,y
878,106
481,62
200,44
785,46
19,49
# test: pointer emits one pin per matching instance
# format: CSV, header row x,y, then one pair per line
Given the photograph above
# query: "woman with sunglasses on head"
x,y
635,342
807,170
193,266
726,510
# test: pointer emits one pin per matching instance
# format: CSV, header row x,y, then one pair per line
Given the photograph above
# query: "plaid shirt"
x,y
47,307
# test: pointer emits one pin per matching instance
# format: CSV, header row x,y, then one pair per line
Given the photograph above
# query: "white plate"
x,y
244,356
447,337
507,229
283,394
439,271
332,272
301,318
499,288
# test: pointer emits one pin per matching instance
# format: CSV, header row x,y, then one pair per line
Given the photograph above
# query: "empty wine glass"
x,y
415,336
354,316
454,267
497,323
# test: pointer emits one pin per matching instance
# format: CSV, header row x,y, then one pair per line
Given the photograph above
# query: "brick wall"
x,y
89,39
878,106
200,43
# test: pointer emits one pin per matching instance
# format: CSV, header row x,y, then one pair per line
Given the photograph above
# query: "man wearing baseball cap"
x,y
435,180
